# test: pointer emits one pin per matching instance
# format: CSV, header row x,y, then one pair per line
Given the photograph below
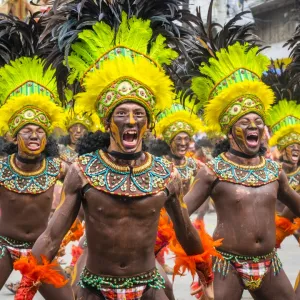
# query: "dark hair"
x,y
224,145
65,140
51,149
2,143
94,141
204,142
158,147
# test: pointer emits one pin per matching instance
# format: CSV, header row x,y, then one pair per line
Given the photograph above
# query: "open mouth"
x,y
252,139
130,139
33,146
295,156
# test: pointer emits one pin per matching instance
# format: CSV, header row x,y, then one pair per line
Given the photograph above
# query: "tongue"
x,y
128,137
252,141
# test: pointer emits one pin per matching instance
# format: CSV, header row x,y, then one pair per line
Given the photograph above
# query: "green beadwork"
x,y
38,183
222,266
225,170
152,279
187,170
13,243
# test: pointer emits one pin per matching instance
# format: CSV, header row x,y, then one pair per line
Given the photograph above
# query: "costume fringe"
x,y
284,228
165,232
191,263
35,274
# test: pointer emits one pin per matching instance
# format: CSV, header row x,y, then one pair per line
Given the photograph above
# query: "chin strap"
x,y
241,154
125,156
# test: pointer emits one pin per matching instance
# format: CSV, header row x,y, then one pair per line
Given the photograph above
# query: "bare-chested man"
x,y
29,172
121,187
243,184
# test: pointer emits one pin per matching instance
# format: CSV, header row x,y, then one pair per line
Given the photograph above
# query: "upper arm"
x,y
287,195
69,205
200,189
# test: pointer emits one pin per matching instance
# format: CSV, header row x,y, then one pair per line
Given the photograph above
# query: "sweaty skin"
x,y
24,217
245,216
120,230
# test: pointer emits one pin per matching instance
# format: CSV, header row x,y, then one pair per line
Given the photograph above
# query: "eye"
x,y
121,113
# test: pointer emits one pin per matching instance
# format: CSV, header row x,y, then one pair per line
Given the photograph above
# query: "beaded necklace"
x,y
67,154
188,169
264,173
13,243
104,175
16,180
294,179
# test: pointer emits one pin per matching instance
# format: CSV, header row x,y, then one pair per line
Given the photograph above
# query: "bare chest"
x,y
104,205
229,196
17,203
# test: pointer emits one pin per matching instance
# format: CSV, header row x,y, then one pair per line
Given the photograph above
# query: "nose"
x,y
33,135
131,118
78,129
253,125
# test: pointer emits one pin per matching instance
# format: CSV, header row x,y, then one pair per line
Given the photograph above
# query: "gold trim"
x,y
246,167
149,159
26,174
293,173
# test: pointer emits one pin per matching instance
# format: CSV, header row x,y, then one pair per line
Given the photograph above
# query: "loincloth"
x,y
16,249
251,269
118,288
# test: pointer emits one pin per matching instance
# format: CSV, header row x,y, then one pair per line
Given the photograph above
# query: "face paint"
x,y
291,154
180,144
247,134
76,132
128,125
31,140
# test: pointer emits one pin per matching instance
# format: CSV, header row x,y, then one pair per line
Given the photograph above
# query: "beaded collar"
x,y
188,169
67,154
266,172
106,176
294,179
14,179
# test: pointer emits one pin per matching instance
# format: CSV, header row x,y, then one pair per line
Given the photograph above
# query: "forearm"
x,y
189,240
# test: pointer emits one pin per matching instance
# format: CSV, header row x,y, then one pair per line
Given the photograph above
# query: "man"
x,y
78,122
29,113
177,126
243,184
122,188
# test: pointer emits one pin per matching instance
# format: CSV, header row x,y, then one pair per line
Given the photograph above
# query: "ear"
x,y
107,125
15,140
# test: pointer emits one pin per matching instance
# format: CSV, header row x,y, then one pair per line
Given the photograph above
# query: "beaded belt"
x,y
13,243
152,279
224,263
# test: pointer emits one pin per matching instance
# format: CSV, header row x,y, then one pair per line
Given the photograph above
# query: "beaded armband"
x,y
264,173
16,180
104,175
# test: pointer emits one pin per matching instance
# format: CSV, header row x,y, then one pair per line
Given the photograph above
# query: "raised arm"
x,y
49,242
177,210
287,195
200,189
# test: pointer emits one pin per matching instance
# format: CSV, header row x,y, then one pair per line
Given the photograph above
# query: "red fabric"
x,y
27,289
76,253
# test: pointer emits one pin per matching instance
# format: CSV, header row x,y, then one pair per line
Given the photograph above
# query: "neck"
x,y
72,146
28,164
235,156
289,167
128,159
177,160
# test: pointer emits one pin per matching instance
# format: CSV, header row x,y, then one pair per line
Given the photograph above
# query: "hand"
x,y
202,292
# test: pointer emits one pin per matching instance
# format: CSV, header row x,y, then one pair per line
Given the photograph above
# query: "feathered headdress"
x,y
177,119
28,92
284,121
228,84
122,66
